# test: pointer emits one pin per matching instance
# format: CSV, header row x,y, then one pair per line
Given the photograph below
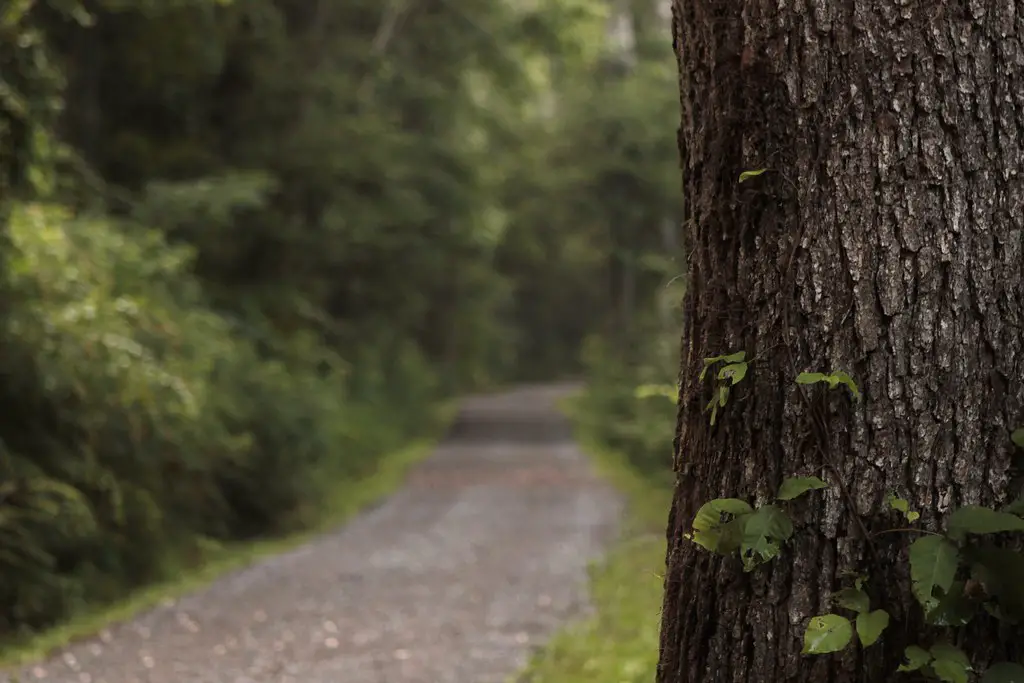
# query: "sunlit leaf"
x,y
793,487
870,626
827,633
747,175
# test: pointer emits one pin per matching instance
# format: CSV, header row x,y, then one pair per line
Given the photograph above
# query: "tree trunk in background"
x,y
885,240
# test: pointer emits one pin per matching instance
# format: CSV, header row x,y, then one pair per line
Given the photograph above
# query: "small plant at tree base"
x,y
955,576
729,375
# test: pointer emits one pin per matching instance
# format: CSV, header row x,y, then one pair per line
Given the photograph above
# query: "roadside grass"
x,y
619,644
347,500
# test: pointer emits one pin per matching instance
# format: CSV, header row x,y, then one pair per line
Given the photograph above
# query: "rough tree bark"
x,y
886,239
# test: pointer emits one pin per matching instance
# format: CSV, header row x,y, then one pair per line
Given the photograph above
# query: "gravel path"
x,y
454,579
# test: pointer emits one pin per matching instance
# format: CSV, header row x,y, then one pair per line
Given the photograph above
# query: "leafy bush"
x,y
139,421
629,402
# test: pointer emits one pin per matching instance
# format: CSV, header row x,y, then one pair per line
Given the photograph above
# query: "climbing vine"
x,y
956,575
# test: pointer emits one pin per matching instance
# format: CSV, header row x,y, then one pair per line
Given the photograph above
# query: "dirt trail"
x,y
478,559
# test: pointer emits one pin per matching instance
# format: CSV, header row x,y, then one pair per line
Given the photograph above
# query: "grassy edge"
x,y
352,497
619,643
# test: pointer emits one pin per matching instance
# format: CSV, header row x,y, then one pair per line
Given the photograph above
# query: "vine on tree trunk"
x,y
955,576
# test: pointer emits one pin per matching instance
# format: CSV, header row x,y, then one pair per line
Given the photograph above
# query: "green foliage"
x,y
794,487
953,575
827,633
833,380
271,235
124,380
734,370
747,175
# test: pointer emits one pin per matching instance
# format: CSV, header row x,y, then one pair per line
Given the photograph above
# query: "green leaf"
x,y
975,519
764,532
794,487
709,525
827,633
916,657
1017,437
737,357
1004,672
734,372
870,626
843,378
810,378
747,175
950,663
853,598
933,561
899,504
723,396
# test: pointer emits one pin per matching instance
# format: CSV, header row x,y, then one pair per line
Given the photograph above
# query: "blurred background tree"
x,y
248,246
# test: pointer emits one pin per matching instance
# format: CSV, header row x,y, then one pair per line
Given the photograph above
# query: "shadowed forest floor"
x,y
475,562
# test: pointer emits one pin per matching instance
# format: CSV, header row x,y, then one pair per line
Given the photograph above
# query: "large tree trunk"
x,y
885,239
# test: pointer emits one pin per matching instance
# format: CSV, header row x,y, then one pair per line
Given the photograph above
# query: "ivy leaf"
x,y
747,175
853,598
902,505
899,504
731,536
916,657
975,519
708,523
810,378
763,535
710,514
843,378
827,633
734,372
1017,437
794,487
1004,672
933,561
870,626
950,663
737,357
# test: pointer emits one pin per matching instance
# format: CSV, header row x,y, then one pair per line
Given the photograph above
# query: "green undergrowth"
x,y
346,499
619,643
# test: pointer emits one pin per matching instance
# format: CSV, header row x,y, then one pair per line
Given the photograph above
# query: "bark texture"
x,y
886,239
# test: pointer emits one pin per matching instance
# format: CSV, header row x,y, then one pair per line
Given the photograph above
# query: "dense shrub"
x,y
628,405
138,421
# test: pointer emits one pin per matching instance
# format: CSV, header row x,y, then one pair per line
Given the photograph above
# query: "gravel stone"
x,y
456,578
